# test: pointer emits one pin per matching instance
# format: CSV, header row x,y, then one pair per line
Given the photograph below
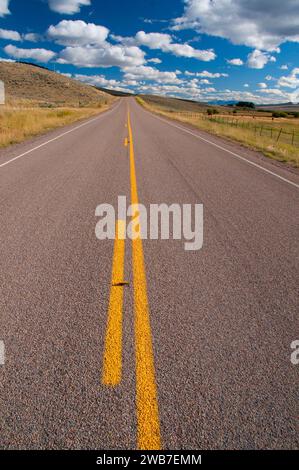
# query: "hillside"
x,y
288,107
40,86
114,92
175,104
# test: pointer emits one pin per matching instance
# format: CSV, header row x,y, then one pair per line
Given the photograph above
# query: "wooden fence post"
x,y
279,134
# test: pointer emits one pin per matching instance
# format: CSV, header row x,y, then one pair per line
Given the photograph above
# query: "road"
x,y
141,344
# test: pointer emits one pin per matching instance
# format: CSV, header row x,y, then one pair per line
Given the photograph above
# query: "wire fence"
x,y
276,133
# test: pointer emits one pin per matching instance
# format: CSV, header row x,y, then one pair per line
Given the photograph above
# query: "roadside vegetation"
x,y
38,100
274,134
20,123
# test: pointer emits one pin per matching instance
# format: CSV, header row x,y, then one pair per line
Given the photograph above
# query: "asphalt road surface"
x,y
131,344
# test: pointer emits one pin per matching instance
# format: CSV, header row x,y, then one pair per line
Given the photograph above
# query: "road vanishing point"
x,y
139,344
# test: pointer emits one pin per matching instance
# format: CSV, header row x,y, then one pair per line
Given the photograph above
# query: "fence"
x,y
276,133
2,93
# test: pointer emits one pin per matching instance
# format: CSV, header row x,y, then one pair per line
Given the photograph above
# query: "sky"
x,y
204,50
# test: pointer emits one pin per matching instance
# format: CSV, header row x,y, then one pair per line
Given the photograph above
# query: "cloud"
x,y
207,74
235,62
68,7
15,36
97,80
77,33
258,59
274,92
150,73
261,24
262,85
11,35
246,85
153,40
164,43
155,61
6,60
32,37
185,50
284,67
41,55
172,90
4,8
291,80
105,56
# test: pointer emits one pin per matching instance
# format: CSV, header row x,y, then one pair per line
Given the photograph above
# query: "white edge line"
x,y
226,150
58,137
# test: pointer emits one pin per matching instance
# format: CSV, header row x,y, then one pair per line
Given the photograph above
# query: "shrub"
x,y
245,104
211,111
279,114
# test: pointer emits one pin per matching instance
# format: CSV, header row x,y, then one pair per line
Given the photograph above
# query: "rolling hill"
x,y
175,104
115,92
44,88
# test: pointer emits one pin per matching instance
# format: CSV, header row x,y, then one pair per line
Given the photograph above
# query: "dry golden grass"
x,y
280,151
41,87
18,123
39,100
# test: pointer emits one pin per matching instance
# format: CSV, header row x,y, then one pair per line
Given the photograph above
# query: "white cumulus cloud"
x,y
261,24
150,73
32,37
164,42
207,74
77,33
258,59
235,61
41,55
68,7
155,61
10,35
4,8
105,56
291,80
153,40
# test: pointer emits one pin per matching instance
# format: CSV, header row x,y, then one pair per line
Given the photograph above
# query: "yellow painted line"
x,y
148,422
112,366
126,142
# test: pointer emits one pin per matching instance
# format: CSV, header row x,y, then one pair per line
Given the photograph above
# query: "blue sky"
x,y
198,49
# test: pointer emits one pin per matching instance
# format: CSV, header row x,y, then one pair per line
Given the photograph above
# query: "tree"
x,y
245,104
211,111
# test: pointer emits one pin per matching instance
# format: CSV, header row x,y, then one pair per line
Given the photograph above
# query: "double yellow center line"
x,y
113,344
148,423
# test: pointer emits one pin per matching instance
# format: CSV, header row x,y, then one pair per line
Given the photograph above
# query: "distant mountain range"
x,y
222,103
114,92
268,106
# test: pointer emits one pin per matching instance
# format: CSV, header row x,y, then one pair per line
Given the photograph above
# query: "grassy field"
x,y
250,131
39,100
40,87
20,123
